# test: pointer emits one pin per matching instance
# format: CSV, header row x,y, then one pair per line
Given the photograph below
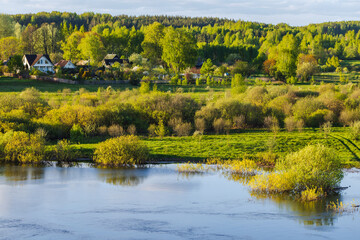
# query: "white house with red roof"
x,y
65,64
40,62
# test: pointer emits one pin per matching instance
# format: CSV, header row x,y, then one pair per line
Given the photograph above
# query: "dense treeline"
x,y
281,51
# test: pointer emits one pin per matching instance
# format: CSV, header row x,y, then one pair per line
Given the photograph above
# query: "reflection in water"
x,y
18,173
189,175
123,177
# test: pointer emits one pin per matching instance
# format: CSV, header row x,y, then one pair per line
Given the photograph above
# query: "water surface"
x,y
158,203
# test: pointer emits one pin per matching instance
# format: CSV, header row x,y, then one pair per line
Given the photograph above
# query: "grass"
x,y
238,145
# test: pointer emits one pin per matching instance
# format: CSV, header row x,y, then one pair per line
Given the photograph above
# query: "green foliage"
x,y
77,134
124,151
24,148
355,130
314,166
64,151
161,130
238,84
144,87
207,67
178,49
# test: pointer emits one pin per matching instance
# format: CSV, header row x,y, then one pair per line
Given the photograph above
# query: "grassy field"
x,y
239,145
234,145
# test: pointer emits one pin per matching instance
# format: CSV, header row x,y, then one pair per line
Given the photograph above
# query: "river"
x,y
157,202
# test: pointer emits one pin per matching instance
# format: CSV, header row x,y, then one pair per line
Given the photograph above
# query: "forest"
x,y
280,51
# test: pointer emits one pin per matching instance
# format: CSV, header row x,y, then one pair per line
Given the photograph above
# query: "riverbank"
x,y
247,144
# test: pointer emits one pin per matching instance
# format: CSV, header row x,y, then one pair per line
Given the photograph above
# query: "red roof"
x,y
62,63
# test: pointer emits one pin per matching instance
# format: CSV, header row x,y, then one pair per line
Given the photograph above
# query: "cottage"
x,y
40,62
110,59
83,64
65,64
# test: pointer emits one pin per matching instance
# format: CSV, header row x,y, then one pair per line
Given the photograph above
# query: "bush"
x,y
63,151
131,130
221,125
183,129
272,124
290,124
312,167
349,116
76,133
24,148
355,130
124,151
239,122
116,130
144,87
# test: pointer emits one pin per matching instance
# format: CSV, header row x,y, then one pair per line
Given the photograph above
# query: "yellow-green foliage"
x,y
313,166
340,207
242,167
312,194
124,151
64,151
25,148
191,168
311,169
275,182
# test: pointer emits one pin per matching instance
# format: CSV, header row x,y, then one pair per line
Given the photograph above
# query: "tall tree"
x,y
71,46
27,39
9,46
7,26
179,49
92,48
46,38
287,52
151,45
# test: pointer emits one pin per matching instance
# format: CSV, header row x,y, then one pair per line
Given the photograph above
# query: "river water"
x,y
159,203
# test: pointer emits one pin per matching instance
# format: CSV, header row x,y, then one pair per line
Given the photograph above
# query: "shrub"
x,y
272,183
239,122
314,166
64,152
124,151
200,125
290,124
183,129
131,130
272,124
76,133
221,125
349,116
115,130
355,130
24,148
151,130
312,194
144,87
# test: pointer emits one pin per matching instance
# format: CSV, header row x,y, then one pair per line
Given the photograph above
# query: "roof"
x,y
82,63
62,63
33,58
111,56
110,62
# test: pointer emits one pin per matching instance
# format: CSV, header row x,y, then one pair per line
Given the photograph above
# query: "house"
x,y
40,62
5,63
110,59
65,64
83,64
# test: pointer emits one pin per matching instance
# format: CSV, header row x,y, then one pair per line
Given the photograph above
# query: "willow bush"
x,y
314,166
124,151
